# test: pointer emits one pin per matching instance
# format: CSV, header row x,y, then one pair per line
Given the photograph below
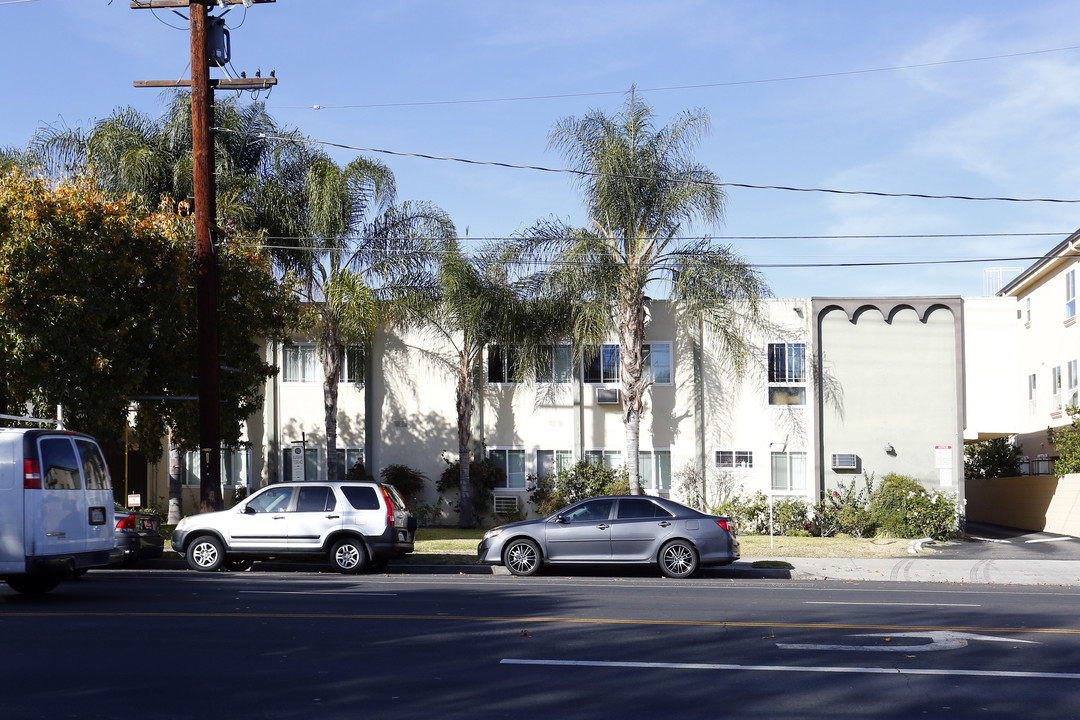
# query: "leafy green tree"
x,y
97,307
339,227
470,302
1067,441
642,190
999,457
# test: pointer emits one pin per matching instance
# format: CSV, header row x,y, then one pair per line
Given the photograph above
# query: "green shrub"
x,y
409,482
903,508
789,515
484,477
582,480
845,511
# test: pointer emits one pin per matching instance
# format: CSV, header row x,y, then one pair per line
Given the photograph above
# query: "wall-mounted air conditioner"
x,y
845,461
607,396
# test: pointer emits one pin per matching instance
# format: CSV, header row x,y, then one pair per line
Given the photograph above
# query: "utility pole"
x,y
205,211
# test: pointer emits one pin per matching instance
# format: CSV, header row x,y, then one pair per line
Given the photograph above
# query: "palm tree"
x,y
470,302
344,224
642,189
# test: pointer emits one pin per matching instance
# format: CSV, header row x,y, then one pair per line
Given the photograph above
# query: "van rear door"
x,y
64,520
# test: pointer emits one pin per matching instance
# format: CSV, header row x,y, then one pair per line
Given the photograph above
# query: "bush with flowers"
x,y
845,510
581,480
902,507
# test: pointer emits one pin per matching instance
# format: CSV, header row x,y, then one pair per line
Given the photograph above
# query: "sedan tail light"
x,y
127,523
726,525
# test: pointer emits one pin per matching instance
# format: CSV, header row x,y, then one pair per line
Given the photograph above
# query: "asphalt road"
x,y
177,644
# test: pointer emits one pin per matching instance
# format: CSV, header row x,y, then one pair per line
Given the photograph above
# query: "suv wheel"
x,y
205,554
348,556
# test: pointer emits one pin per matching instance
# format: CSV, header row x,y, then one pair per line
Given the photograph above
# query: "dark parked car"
x,y
620,529
138,536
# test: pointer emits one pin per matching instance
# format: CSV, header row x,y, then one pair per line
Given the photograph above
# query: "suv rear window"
x,y
361,497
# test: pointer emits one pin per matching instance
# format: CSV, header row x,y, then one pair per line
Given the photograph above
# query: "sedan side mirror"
x,y
560,519
248,510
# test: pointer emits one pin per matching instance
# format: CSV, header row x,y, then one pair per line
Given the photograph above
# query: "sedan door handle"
x,y
603,526
665,524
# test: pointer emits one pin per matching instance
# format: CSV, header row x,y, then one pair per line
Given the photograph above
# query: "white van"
x,y
56,507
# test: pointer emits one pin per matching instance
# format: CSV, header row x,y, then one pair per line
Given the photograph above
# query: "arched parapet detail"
x,y
887,306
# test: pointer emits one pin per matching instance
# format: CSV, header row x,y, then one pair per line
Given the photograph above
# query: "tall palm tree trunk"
x,y
631,340
331,362
464,413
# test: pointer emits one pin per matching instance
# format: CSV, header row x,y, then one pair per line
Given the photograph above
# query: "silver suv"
x,y
356,525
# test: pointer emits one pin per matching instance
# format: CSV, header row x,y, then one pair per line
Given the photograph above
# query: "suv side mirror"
x,y
248,510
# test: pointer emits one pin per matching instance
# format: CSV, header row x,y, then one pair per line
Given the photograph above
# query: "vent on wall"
x,y
607,396
506,504
845,461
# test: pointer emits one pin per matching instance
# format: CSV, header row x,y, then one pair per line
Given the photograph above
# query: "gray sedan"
x,y
620,529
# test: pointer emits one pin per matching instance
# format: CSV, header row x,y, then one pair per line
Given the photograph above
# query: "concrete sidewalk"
x,y
918,569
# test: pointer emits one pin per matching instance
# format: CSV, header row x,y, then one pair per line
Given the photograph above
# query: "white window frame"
x,y
351,355
515,481
786,378
654,468
348,451
1032,396
1071,378
608,357
561,367
232,475
306,359
1070,294
507,364
658,349
610,459
561,459
313,465
735,460
1055,389
789,484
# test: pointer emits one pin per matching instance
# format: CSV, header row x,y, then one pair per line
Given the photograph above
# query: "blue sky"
x,y
793,90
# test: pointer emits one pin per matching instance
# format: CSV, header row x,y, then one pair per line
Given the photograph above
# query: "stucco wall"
x,y
1040,502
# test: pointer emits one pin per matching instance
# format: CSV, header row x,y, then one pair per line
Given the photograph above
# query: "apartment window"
x,y
311,465
1055,385
789,472
347,457
1027,311
1072,380
734,459
1070,294
301,364
549,462
1031,393
657,357
787,373
654,467
555,364
235,468
512,463
501,364
604,366
352,365
610,459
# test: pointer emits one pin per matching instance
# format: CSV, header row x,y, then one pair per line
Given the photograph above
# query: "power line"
x,y
587,173
668,88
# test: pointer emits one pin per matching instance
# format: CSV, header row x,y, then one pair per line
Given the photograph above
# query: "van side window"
x,y
94,469
59,468
361,497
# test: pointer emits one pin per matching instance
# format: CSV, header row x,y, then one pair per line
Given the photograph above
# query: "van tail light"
x,y
127,523
725,524
389,507
31,475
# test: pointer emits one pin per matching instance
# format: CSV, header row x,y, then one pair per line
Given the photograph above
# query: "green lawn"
x,y
451,545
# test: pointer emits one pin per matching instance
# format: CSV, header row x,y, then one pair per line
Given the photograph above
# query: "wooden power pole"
x,y
206,261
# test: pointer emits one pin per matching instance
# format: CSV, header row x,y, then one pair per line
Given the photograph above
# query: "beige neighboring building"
x,y
1047,345
835,387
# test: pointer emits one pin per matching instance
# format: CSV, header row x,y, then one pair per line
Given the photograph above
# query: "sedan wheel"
x,y
678,559
205,554
522,557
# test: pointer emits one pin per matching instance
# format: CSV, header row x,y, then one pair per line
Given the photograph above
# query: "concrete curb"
x,y
918,569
